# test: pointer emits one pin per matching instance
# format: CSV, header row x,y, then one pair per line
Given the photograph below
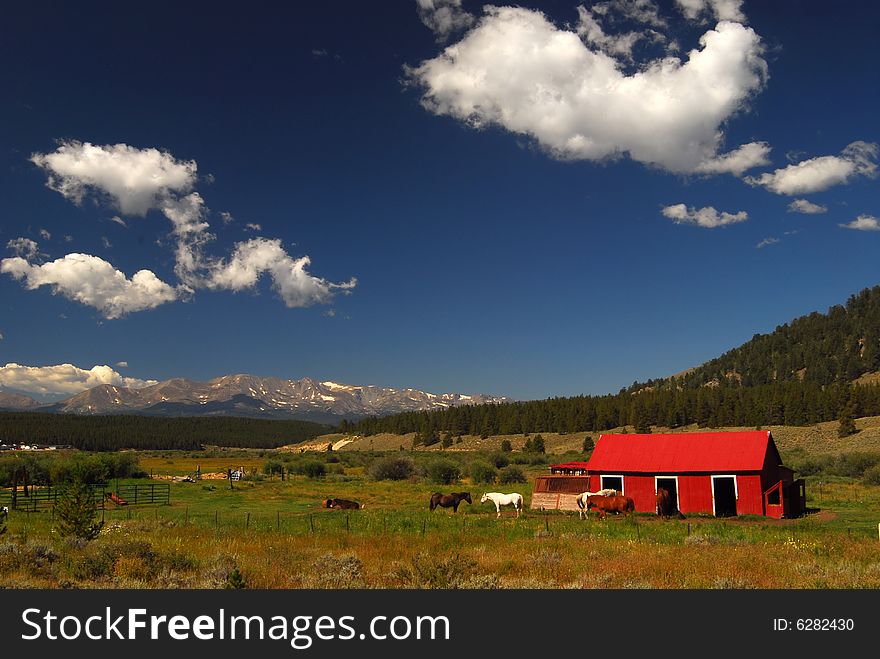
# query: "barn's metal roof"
x,y
571,465
682,452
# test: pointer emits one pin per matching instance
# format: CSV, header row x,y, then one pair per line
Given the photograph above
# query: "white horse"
x,y
499,499
583,496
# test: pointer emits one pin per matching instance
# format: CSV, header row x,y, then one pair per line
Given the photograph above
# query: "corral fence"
x,y
45,497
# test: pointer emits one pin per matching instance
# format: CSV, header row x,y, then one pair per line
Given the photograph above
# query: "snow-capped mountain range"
x,y
249,395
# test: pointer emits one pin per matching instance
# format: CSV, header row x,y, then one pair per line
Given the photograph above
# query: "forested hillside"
x,y
835,347
801,373
108,433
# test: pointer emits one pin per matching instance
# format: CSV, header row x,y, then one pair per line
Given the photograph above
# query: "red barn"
x,y
720,473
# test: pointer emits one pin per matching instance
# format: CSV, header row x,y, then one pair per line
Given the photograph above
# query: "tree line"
x,y
781,403
114,432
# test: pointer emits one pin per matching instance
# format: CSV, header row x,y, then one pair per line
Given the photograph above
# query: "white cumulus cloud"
x,y
443,17
517,70
63,378
817,174
122,364
133,179
807,207
722,10
290,277
94,282
736,162
863,223
24,247
707,217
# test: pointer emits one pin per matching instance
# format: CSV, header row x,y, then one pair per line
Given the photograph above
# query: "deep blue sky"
x,y
484,265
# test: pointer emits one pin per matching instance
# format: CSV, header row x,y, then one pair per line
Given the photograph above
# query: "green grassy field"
x,y
277,535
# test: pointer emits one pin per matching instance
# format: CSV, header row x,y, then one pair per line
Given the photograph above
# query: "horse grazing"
x,y
581,499
344,504
499,499
449,500
615,504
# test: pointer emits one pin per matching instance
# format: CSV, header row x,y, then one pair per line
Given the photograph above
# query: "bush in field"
x,y
392,468
312,469
872,476
500,460
444,472
76,513
588,445
273,467
482,472
506,446
511,474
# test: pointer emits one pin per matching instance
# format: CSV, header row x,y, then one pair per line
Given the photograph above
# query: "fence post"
x,y
247,522
311,523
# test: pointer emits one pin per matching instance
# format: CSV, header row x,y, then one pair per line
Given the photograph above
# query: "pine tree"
x,y
76,513
589,444
847,425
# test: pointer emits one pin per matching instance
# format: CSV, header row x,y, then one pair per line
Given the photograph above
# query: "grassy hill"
x,y
816,438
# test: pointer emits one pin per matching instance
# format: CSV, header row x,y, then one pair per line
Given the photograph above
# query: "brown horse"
x,y
616,505
449,500
664,503
344,504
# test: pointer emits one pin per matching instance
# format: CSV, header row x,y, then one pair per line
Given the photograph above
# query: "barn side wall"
x,y
694,492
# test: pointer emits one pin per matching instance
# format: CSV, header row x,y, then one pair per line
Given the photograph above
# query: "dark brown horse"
x,y
450,500
664,503
344,504
616,505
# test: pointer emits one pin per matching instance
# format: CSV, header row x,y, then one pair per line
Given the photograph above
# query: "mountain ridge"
x,y
243,394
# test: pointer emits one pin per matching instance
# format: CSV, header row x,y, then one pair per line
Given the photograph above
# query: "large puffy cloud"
x,y
63,378
707,217
443,17
517,70
817,174
136,181
92,281
863,223
290,277
133,179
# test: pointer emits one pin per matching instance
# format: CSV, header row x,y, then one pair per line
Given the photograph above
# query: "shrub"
x,y
391,468
331,571
312,469
506,446
589,444
444,472
499,459
511,474
273,467
482,472
234,580
76,512
452,572
872,476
